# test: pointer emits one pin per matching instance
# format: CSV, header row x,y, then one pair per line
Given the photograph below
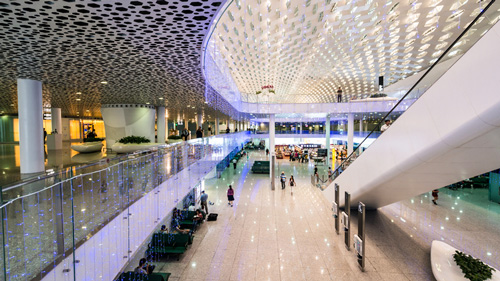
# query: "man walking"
x,y
283,180
203,199
339,95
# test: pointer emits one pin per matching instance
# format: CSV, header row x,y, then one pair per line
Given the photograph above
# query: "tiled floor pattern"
x,y
280,235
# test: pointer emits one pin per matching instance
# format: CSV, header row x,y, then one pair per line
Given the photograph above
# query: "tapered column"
x,y
29,99
199,121
161,124
54,141
327,142
350,133
56,120
272,154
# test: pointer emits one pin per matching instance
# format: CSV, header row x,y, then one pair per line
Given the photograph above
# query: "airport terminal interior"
x,y
249,140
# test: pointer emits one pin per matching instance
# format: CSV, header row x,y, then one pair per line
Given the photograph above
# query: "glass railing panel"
x,y
442,62
78,220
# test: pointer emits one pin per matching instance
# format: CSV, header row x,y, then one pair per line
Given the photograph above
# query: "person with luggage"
x,y
203,201
283,180
230,196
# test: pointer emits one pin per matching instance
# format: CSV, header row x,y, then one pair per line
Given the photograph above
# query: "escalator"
x,y
452,132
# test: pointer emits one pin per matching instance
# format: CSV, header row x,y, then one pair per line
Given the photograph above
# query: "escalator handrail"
x,y
337,171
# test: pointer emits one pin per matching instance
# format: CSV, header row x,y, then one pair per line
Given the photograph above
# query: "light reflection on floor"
x,y
277,235
66,157
464,219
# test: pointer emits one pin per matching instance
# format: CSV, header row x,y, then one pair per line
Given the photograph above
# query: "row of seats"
x,y
163,243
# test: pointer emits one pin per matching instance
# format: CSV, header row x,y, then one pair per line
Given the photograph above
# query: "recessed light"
x,y
160,98
206,102
78,99
104,82
11,104
78,93
88,110
147,103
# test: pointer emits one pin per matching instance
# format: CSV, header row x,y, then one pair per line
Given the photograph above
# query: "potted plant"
x,y
89,145
473,269
130,144
174,139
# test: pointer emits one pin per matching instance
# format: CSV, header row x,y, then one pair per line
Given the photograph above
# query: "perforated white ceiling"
x,y
306,49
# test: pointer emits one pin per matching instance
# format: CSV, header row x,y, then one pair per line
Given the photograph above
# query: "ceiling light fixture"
x,y
104,82
78,93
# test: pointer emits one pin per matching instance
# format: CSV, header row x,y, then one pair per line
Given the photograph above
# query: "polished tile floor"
x,y
287,235
463,218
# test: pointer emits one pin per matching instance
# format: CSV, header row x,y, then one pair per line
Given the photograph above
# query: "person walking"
x,y
204,202
283,180
339,95
234,163
230,196
292,182
315,169
329,173
435,196
267,151
44,136
185,134
209,130
199,133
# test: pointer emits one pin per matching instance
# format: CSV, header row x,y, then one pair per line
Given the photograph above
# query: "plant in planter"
x,y
473,269
92,139
133,140
174,137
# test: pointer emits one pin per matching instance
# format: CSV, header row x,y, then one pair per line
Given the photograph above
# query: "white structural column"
x,y
350,133
29,102
161,123
56,120
272,154
360,125
216,129
199,121
327,142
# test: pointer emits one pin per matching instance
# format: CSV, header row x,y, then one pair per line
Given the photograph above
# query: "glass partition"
x,y
89,221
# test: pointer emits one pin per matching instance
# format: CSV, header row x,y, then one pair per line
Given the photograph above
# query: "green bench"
x,y
169,243
187,219
260,167
132,276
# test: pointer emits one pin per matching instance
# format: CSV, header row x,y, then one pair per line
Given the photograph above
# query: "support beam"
x,y
161,124
327,139
272,154
350,133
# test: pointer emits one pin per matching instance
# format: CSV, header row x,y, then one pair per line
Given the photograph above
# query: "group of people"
x,y
283,180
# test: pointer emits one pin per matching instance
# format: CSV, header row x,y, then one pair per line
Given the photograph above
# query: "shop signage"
x,y
309,145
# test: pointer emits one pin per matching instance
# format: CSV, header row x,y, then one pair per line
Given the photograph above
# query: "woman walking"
x,y
435,196
230,195
292,183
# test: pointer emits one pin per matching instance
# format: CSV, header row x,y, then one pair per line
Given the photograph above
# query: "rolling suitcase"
x,y
212,217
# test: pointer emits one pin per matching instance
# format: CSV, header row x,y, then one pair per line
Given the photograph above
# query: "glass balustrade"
x,y
86,222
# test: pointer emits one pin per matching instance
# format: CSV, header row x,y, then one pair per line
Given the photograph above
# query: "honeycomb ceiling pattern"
x,y
93,52
307,49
